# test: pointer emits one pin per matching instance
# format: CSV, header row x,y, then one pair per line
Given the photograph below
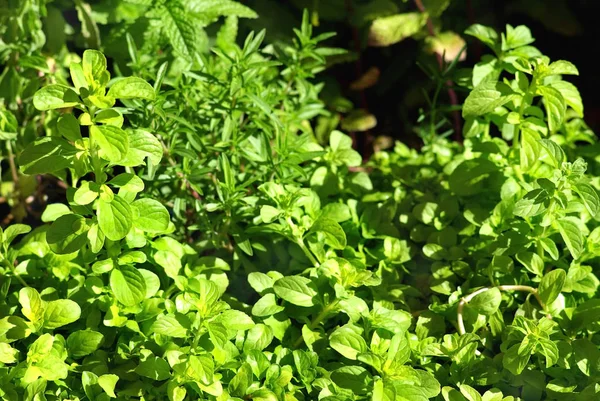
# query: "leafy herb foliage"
x,y
209,247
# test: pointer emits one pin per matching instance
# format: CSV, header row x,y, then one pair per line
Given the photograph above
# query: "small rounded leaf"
x,y
132,88
60,313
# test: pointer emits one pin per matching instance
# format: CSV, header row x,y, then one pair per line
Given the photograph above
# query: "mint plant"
x,y
214,240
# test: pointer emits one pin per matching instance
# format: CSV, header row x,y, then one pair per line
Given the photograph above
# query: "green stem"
x,y
318,319
300,242
14,271
464,301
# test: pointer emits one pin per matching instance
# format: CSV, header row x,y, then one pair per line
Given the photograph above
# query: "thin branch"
x,y
464,301
449,84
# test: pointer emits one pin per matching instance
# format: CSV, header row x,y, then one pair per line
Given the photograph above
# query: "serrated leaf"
x,y
179,28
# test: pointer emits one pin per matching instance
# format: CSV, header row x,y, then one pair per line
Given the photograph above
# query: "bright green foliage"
x,y
209,247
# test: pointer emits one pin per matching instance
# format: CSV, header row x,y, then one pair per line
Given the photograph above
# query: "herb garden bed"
x,y
197,231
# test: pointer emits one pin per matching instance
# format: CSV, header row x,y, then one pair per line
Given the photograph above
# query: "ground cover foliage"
x,y
196,230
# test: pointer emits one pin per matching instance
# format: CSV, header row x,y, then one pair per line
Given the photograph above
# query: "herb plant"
x,y
213,240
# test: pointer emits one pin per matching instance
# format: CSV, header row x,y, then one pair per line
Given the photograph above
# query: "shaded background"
x,y
562,29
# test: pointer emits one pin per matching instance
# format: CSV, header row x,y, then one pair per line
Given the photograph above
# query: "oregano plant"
x,y
207,238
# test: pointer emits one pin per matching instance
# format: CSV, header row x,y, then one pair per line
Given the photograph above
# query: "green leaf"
x,y
180,30
8,125
549,349
571,95
515,361
86,193
550,247
60,313
557,155
114,218
571,234
67,234
587,356
110,117
150,215
132,88
94,65
485,34
589,196
8,354
551,285
530,148
13,231
486,98
170,325
46,155
532,262
154,368
555,104
95,238
83,342
486,303
142,145
345,341
128,182
359,121
68,126
32,306
260,282
392,29
89,28
336,237
108,383
215,8
235,320
258,338
296,290
128,285
200,368
563,67
55,97
54,211
354,378
78,77
266,306
516,37
112,141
